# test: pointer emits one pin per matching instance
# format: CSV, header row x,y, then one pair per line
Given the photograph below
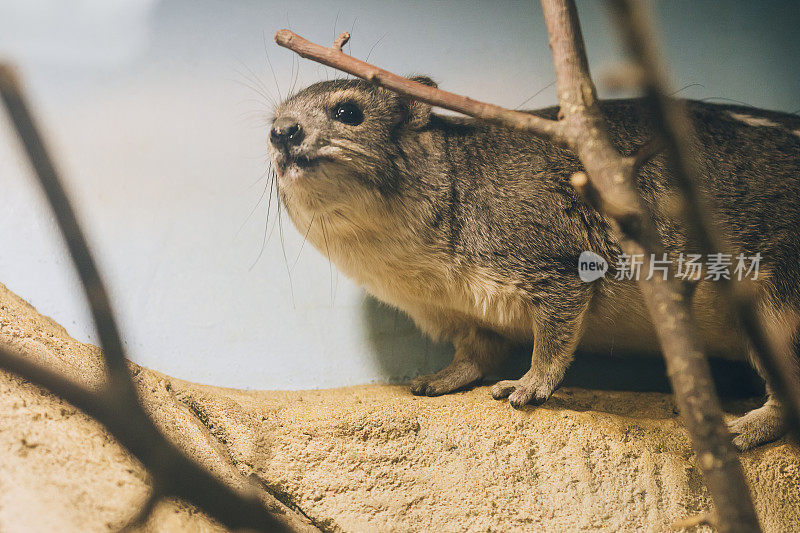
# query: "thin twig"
x,y
334,57
645,153
116,405
340,41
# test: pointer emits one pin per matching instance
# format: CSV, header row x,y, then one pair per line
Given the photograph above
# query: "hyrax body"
x,y
474,230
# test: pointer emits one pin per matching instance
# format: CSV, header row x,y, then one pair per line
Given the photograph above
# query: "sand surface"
x,y
369,458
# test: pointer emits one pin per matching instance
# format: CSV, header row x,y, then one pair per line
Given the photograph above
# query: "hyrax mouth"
x,y
302,162
305,158
296,164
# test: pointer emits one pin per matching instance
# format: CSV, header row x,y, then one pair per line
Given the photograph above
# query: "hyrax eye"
x,y
348,113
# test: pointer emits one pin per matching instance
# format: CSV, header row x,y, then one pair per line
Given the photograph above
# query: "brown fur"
x,y
474,230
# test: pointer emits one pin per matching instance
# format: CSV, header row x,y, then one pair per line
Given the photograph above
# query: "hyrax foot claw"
x,y
502,389
520,392
455,376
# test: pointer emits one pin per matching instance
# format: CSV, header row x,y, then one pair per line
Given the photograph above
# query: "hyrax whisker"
x,y
269,63
255,207
272,186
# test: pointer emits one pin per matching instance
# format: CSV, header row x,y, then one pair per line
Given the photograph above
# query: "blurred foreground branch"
x,y
116,405
674,129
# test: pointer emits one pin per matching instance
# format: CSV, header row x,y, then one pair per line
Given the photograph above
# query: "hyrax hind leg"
x,y
478,350
766,423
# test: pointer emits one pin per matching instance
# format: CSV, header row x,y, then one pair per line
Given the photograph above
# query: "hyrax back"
x,y
475,232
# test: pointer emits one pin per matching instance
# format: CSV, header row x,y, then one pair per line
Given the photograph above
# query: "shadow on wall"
x,y
400,349
402,352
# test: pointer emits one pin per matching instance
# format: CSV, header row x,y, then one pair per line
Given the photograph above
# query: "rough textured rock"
x,y
371,458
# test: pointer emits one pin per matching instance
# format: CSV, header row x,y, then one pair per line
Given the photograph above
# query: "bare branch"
x,y
334,57
674,128
686,365
94,289
117,405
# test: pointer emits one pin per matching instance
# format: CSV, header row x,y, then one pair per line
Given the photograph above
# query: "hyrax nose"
x,y
286,132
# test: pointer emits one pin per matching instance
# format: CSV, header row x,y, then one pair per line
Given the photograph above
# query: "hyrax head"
x,y
333,144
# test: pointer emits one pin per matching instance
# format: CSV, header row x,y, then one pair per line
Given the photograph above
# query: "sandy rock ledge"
x,y
370,458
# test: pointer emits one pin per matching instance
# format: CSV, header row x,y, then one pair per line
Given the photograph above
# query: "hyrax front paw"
x,y
456,375
530,388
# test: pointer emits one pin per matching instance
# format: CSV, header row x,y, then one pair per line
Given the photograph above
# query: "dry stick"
x,y
335,58
674,128
687,366
582,128
116,405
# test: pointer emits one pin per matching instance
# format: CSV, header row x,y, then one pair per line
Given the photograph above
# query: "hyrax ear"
x,y
419,113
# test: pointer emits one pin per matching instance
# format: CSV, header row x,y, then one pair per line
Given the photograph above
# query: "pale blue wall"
x,y
152,111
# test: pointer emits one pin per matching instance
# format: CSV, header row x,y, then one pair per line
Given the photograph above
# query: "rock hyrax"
x,y
474,230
